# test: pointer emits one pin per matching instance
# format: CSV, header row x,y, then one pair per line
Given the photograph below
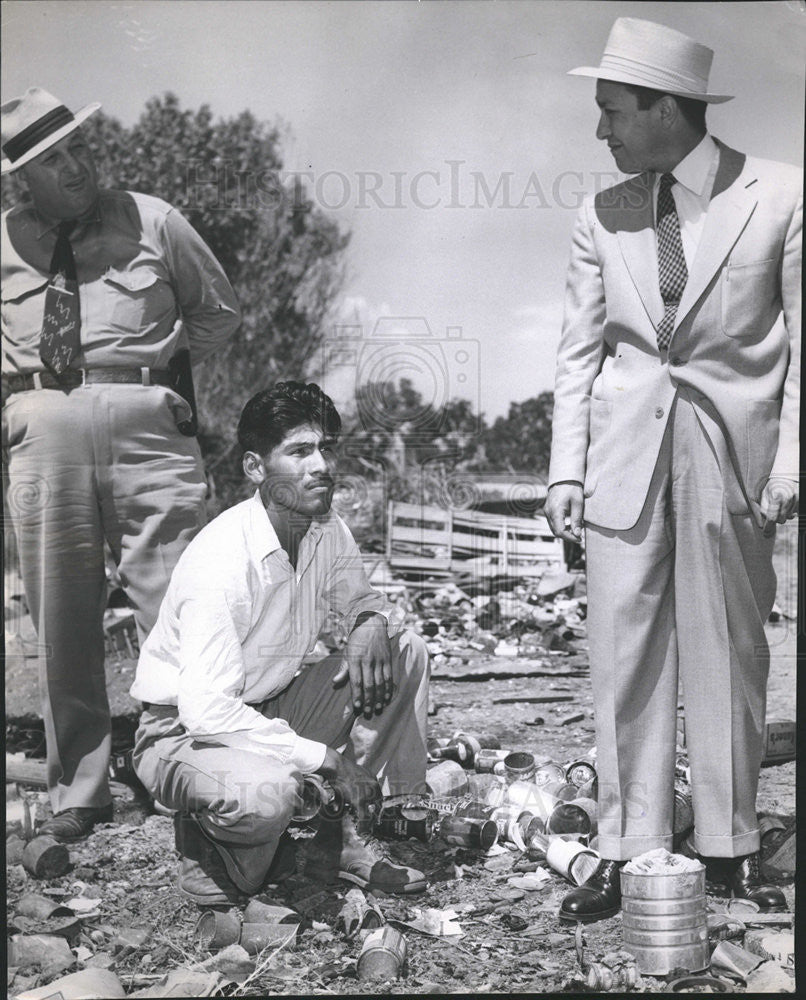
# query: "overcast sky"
x,y
446,136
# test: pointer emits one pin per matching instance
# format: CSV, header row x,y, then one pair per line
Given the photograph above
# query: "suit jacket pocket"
x,y
601,411
750,298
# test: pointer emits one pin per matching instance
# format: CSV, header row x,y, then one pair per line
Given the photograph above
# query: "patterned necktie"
x,y
672,271
60,340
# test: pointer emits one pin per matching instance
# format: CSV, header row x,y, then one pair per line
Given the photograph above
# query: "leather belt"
x,y
73,378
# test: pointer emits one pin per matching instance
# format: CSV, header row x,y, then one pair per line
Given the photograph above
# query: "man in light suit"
x,y
675,437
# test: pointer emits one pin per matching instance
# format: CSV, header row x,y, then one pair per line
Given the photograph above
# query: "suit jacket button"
x,y
659,412
675,361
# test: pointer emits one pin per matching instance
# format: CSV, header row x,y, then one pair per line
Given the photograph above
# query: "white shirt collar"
x,y
264,537
695,170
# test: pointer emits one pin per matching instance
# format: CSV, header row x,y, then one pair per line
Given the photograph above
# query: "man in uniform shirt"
x,y
675,434
235,716
100,290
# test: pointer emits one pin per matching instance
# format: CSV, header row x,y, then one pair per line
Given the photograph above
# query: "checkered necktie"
x,y
672,271
60,340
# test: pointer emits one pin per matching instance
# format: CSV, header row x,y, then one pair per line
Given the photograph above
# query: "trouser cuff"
x,y
626,848
727,847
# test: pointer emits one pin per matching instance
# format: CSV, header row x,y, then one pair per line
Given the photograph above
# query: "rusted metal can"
x,y
602,978
404,822
562,790
383,955
519,766
548,770
258,912
255,937
579,772
478,833
217,929
487,758
446,779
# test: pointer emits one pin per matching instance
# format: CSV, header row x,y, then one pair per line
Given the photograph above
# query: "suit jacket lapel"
x,y
638,244
732,203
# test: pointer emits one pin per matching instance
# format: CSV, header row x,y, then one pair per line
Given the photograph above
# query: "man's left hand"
x,y
368,662
779,502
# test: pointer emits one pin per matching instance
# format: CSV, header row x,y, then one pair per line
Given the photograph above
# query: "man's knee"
x,y
413,653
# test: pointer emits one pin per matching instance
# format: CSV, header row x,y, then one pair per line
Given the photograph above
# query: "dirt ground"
x,y
511,940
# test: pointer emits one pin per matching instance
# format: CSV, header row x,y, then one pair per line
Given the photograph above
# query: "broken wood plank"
x,y
546,699
34,773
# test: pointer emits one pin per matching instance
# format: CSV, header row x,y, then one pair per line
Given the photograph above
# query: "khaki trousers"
x,y
102,462
244,799
684,593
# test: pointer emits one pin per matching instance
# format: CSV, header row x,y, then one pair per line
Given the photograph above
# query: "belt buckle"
x,y
83,372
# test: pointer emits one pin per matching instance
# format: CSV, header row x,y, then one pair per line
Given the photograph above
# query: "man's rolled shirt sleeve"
x,y
211,679
209,310
579,357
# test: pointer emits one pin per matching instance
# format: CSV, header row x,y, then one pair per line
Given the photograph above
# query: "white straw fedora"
x,y
651,55
33,122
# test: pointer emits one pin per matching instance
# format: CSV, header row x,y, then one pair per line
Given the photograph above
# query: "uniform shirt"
x,y
148,285
238,620
695,176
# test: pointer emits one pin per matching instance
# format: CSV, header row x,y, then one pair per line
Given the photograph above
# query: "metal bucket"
x,y
664,921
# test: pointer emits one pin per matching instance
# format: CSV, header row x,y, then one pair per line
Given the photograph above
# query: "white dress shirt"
x,y
238,620
695,177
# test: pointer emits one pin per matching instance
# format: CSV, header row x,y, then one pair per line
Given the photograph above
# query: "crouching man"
x,y
234,716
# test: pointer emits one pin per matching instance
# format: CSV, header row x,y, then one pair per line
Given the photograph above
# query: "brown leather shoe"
x,y
76,823
745,881
339,850
203,878
596,899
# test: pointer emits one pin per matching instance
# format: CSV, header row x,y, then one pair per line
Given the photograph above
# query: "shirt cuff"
x,y
308,755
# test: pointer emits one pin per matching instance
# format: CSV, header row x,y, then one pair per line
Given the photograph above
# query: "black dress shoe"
x,y
598,898
75,824
745,881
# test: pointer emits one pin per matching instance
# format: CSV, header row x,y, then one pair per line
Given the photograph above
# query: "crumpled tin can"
x,y
382,956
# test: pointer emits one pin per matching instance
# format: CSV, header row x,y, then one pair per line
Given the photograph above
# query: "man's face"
x,y
634,136
63,181
297,473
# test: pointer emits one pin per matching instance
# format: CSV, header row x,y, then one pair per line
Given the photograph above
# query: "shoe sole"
x,y
588,918
209,900
363,883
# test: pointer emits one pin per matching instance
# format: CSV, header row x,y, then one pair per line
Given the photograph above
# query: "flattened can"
x,y
383,955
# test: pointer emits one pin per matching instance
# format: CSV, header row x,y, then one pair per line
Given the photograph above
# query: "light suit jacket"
x,y
736,342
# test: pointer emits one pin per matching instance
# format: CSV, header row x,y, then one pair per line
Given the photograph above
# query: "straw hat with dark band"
x,y
32,123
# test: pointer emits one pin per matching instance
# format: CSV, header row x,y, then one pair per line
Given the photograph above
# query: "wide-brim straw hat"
x,y
32,123
647,54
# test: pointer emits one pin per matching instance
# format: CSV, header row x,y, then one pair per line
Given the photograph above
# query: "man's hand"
x,y
368,662
779,502
354,784
565,503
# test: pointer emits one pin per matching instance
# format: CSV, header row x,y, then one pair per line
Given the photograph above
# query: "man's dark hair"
x,y
692,110
271,413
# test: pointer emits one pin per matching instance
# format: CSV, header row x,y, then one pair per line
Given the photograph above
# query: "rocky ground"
x,y
120,883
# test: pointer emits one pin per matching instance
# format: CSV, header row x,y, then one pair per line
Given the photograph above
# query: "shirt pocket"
x,y
750,298
23,297
134,299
